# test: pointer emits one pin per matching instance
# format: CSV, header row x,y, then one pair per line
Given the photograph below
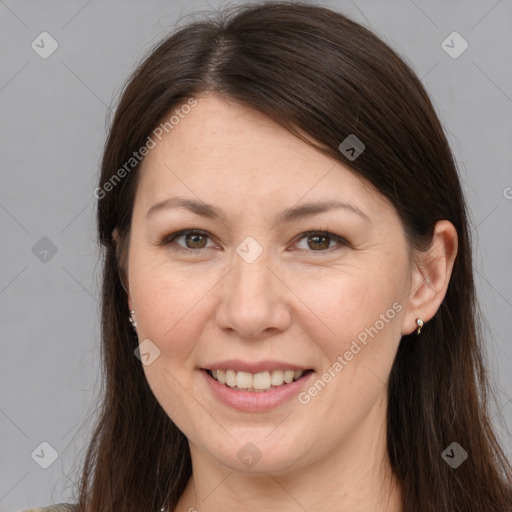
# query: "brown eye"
x,y
319,241
193,240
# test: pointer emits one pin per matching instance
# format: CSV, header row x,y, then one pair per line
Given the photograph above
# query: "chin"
x,y
257,455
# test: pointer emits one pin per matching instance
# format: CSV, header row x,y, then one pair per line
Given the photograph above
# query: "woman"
x,y
289,317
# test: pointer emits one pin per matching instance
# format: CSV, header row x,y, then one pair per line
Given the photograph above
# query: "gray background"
x,y
52,128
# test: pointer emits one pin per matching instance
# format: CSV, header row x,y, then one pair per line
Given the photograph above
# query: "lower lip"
x,y
253,401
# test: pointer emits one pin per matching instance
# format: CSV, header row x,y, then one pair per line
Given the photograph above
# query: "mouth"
x,y
260,382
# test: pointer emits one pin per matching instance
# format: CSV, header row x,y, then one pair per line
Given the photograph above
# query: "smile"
x,y
256,382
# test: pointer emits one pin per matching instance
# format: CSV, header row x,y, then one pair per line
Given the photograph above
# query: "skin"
x,y
303,301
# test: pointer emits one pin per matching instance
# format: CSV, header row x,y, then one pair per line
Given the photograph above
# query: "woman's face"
x,y
250,291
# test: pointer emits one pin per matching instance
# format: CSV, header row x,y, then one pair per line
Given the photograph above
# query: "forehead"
x,y
223,152
221,130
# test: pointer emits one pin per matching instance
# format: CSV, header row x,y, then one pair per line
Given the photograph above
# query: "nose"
x,y
254,298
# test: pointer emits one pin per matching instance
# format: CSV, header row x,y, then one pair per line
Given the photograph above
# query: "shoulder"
x,y
60,507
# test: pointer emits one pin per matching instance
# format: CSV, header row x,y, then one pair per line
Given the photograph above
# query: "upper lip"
x,y
261,366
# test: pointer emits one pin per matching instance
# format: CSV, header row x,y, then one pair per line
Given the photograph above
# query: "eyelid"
x,y
170,240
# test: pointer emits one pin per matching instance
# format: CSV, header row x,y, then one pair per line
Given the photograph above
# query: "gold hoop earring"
x,y
419,323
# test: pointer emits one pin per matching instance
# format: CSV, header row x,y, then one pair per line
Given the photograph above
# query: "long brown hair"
x,y
321,76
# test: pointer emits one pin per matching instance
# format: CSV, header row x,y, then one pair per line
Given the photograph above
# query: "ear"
x,y
116,239
430,277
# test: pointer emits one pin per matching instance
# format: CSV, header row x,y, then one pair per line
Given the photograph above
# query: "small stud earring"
x,y
419,323
133,321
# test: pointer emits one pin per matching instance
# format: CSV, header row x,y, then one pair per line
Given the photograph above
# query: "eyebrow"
x,y
286,216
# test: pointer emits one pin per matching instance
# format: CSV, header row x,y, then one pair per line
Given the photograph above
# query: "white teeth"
x,y
277,378
288,376
243,380
231,378
260,381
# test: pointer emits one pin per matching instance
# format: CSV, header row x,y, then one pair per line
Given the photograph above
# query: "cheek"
x,y
358,307
363,314
167,306
169,314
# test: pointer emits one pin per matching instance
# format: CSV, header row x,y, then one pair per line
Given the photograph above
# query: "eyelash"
x,y
169,240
